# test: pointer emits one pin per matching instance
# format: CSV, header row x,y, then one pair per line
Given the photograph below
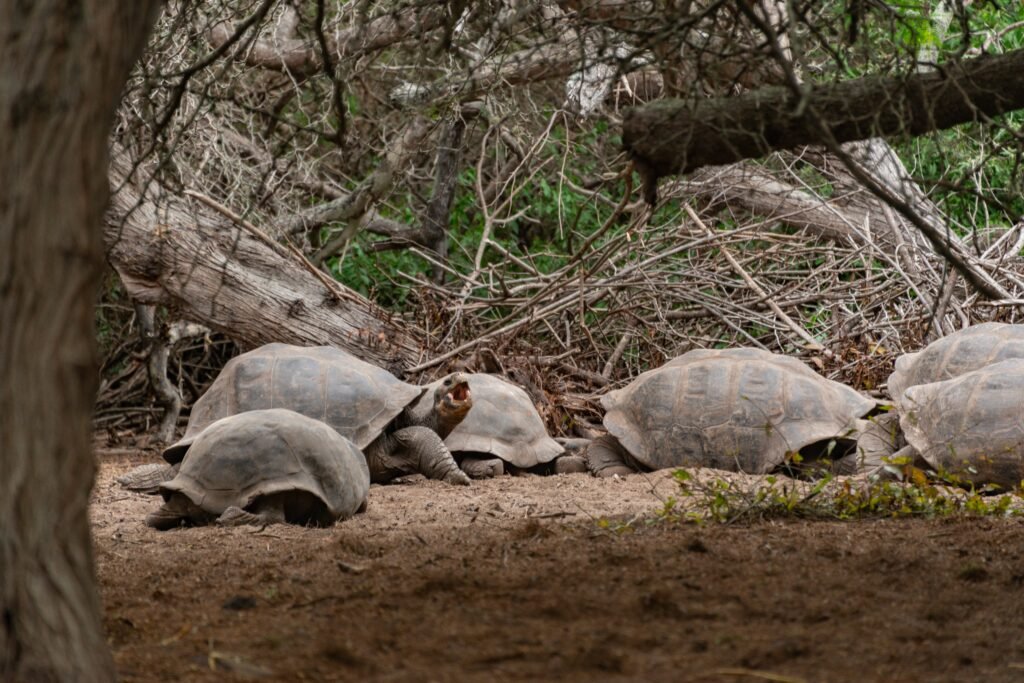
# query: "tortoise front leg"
x,y
606,458
482,468
570,463
147,478
175,512
269,511
410,450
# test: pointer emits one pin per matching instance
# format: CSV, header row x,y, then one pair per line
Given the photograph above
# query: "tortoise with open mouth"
x,y
379,413
504,433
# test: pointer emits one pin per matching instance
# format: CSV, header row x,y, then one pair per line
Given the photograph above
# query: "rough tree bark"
x,y
64,64
446,176
750,188
289,53
677,136
173,251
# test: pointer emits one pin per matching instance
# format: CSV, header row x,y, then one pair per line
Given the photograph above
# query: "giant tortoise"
x,y
504,430
742,409
953,355
378,412
263,467
970,426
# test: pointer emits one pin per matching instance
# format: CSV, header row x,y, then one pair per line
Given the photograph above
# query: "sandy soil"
x,y
516,579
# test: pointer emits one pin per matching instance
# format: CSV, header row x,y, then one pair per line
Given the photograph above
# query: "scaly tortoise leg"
x,y
426,453
177,511
606,458
269,512
147,478
482,468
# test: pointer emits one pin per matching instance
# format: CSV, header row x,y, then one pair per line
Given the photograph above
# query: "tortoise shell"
x,y
971,426
239,459
731,409
356,398
503,422
969,349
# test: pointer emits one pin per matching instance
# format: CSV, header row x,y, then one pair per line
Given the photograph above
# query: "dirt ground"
x,y
516,579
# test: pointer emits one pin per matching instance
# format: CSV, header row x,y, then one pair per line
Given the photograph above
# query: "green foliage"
x,y
377,274
972,171
915,31
975,169
549,219
991,26
726,501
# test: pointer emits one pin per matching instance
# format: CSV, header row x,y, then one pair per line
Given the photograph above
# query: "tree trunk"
x,y
158,350
229,276
446,179
64,65
676,136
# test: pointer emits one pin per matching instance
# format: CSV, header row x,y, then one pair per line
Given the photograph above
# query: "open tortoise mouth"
x,y
459,393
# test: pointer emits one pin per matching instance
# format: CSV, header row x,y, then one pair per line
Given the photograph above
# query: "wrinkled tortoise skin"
x,y
503,423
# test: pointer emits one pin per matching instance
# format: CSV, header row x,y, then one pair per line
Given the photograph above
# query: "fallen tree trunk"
x,y
229,276
751,189
677,136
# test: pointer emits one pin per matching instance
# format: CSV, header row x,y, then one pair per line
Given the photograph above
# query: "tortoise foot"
x,y
164,519
235,516
482,468
457,477
570,464
606,458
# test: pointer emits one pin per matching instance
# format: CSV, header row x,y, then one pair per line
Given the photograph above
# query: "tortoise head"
x,y
452,400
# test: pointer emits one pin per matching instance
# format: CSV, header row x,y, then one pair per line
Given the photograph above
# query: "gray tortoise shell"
x,y
241,458
971,425
732,409
356,398
953,355
503,422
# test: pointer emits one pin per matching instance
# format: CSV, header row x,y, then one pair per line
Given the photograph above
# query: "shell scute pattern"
x,y
732,409
255,454
356,398
503,422
955,354
971,425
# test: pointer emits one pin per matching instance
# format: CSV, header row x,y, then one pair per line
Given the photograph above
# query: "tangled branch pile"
x,y
460,165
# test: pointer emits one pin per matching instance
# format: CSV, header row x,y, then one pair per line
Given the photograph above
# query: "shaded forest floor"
x,y
515,579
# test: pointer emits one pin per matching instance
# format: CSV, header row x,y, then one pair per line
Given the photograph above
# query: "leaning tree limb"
x,y
752,189
674,136
171,251
678,136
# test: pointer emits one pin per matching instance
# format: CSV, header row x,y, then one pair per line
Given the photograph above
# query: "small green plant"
x,y
727,501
